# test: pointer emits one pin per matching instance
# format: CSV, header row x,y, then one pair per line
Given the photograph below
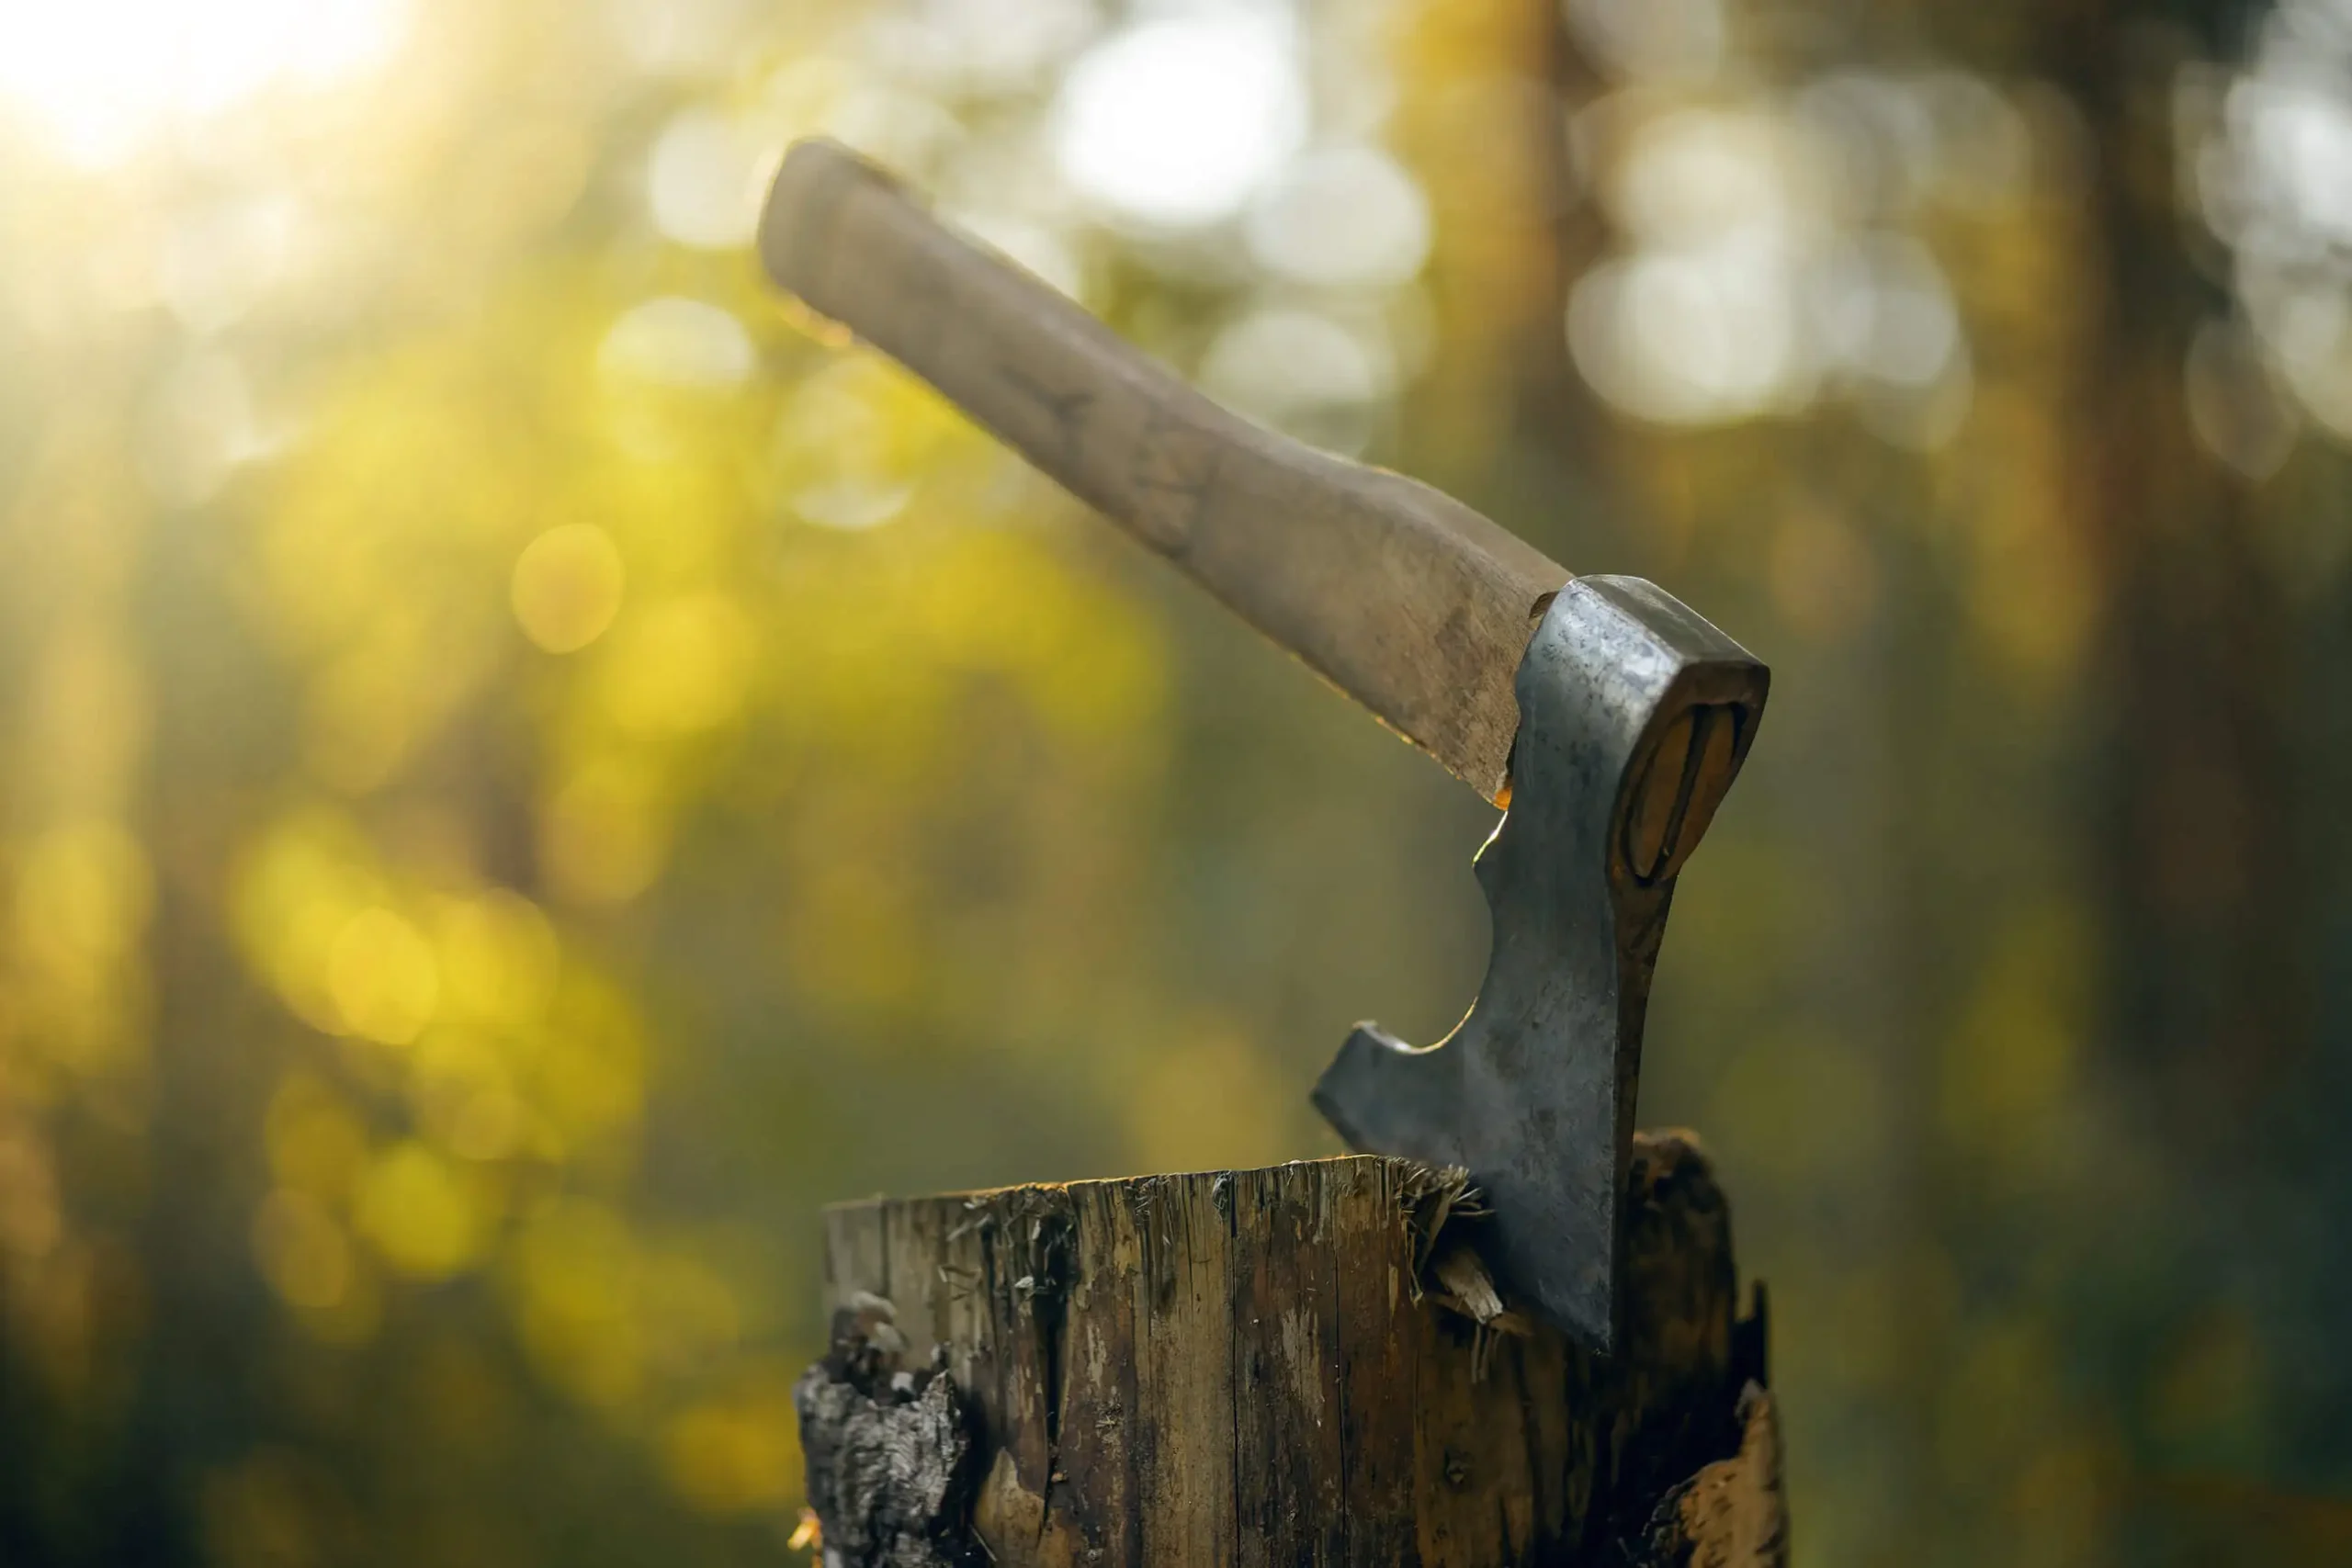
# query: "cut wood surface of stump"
x,y
1306,1364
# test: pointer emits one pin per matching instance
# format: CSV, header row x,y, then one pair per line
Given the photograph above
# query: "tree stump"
x,y
1308,1364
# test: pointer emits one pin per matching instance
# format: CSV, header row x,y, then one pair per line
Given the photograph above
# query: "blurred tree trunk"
x,y
2178,734
1557,411
2197,845
1503,416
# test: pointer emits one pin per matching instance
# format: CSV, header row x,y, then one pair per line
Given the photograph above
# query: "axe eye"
x,y
1685,775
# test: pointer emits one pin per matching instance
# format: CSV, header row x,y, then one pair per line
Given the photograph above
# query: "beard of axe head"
x,y
1635,717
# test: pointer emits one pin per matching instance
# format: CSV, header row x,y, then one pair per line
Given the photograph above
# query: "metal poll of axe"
x,y
1604,716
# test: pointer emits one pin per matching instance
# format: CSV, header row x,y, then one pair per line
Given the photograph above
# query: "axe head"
x,y
1635,717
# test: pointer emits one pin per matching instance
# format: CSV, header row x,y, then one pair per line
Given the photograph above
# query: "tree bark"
x,y
1308,1364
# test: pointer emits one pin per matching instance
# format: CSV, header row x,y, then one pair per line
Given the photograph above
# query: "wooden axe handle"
x,y
1405,598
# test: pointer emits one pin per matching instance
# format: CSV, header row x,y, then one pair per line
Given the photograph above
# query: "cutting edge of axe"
x,y
1608,718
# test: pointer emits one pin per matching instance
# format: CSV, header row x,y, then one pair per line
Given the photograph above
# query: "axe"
x,y
1604,716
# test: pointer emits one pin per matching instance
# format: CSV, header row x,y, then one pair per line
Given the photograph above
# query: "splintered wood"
x,y
1302,1365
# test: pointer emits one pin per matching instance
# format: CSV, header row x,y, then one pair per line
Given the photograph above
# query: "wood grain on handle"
x,y
1410,602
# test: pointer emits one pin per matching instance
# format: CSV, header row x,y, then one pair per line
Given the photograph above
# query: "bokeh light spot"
x,y
499,958
418,1212
1300,372
1684,339
985,46
705,179
383,977
1176,122
1708,177
685,667
1651,39
834,448
83,893
733,1456
604,835
1343,216
489,1125
677,341
2235,404
568,586
575,1273
302,1252
315,1140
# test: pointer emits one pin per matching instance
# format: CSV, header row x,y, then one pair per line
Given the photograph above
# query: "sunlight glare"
x,y
100,78
1177,122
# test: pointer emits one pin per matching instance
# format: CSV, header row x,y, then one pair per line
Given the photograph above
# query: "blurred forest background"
x,y
527,769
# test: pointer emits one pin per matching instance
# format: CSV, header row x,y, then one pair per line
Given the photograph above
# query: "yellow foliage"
x,y
573,1274
587,1075
732,1456
303,1252
461,1084
2009,1064
605,832
498,957
317,1143
694,1317
425,1217
382,977
298,889
681,665
568,586
83,895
